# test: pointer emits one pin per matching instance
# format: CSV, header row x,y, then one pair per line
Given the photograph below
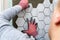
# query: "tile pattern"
x,y
42,15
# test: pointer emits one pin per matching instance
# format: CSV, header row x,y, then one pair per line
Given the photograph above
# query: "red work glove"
x,y
24,4
32,28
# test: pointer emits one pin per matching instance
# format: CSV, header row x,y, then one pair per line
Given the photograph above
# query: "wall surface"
x,y
1,5
4,4
41,12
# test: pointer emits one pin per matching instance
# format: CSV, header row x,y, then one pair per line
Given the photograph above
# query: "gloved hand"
x,y
24,4
32,28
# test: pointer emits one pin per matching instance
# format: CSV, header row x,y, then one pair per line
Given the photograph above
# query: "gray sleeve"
x,y
10,12
7,31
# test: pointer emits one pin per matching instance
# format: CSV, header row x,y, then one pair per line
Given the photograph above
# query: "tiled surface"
x,y
42,15
47,11
41,24
40,7
47,20
46,3
27,15
20,22
46,37
41,34
46,28
21,14
34,12
29,9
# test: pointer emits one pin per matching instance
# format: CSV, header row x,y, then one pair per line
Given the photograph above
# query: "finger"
x,y
31,20
23,31
27,21
28,6
35,39
34,21
36,25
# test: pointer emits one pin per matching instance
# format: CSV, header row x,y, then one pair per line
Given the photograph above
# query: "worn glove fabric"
x,y
32,28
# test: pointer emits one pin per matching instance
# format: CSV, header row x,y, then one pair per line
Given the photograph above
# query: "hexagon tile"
x,y
46,37
46,28
34,12
20,22
40,7
47,11
42,15
47,20
27,15
40,35
41,24
21,14
46,3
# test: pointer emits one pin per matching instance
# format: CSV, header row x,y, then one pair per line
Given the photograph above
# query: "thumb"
x,y
24,31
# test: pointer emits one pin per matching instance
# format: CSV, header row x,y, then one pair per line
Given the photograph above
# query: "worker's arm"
x,y
10,12
7,31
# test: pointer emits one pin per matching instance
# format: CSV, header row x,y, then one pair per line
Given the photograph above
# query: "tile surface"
x,y
20,22
40,7
42,15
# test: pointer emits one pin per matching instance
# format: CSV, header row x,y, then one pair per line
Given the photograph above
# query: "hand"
x,y
32,28
54,30
23,3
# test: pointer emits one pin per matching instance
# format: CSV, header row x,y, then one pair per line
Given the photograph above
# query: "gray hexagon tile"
x,y
47,11
46,37
20,22
41,24
51,7
20,28
40,39
25,26
40,16
46,3
41,34
27,15
46,28
29,9
40,7
47,20
21,14
36,19
34,12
